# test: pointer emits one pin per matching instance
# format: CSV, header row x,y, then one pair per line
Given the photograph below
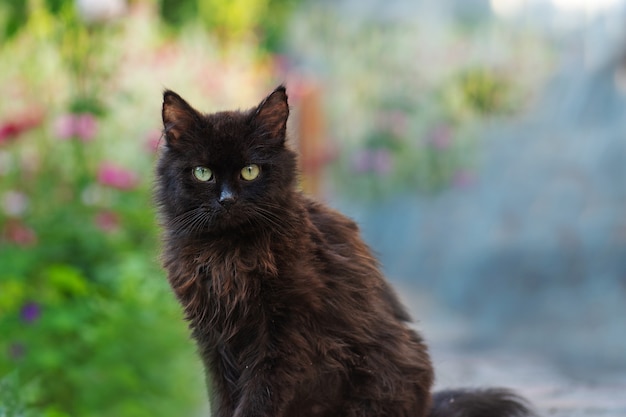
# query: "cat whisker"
x,y
265,218
277,222
202,222
182,218
191,221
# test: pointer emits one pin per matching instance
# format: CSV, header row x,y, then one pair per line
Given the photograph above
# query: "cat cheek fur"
x,y
290,311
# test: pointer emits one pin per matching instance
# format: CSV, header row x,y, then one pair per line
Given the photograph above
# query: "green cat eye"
x,y
250,172
202,174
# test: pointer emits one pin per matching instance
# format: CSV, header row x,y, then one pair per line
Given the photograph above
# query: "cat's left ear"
x,y
270,117
178,116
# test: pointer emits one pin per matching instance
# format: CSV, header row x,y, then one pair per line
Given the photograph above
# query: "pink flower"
x,y
107,221
20,124
86,126
360,162
8,130
463,179
18,233
153,140
382,161
64,126
83,126
379,161
440,137
396,122
115,176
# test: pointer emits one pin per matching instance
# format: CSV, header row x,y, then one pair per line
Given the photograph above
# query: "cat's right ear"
x,y
271,116
178,116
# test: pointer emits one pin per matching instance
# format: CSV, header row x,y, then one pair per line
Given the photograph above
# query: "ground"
x,y
553,390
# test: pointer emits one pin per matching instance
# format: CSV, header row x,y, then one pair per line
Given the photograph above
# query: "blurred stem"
x,y
81,165
75,51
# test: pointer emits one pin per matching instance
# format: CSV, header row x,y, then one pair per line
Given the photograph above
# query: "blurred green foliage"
x,y
234,19
86,315
11,397
88,324
483,91
14,14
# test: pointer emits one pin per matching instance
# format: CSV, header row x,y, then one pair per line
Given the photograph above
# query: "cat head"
x,y
227,170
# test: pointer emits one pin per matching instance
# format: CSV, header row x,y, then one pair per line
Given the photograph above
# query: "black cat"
x,y
289,309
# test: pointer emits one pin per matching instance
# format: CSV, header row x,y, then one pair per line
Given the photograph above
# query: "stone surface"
x,y
551,388
551,392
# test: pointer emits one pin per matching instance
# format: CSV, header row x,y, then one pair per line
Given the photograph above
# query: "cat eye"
x,y
250,172
202,174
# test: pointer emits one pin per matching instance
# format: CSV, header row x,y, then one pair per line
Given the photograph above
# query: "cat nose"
x,y
227,198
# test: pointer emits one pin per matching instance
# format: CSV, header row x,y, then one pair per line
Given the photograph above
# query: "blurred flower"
x,y
379,161
18,233
17,351
282,64
93,195
440,137
463,179
117,177
361,161
83,126
107,221
14,203
8,130
20,124
30,312
153,140
93,11
395,122
382,161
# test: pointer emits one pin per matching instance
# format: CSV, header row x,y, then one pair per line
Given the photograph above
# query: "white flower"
x,y
93,195
14,203
92,11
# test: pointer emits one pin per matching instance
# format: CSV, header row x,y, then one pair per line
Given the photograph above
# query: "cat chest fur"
x,y
219,285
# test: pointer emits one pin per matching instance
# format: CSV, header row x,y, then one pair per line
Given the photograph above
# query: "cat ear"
x,y
178,116
270,117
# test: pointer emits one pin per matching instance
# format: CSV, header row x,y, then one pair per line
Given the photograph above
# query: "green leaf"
x,y
67,279
11,295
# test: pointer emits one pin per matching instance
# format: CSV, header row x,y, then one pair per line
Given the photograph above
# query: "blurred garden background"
x,y
480,144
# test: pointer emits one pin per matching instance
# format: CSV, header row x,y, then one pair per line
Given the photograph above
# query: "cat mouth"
x,y
214,218
227,218
206,219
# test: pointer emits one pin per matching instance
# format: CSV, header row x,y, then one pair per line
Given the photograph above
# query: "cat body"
x,y
288,307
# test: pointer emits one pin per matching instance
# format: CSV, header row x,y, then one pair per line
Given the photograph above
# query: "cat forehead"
x,y
226,122
222,138
228,130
